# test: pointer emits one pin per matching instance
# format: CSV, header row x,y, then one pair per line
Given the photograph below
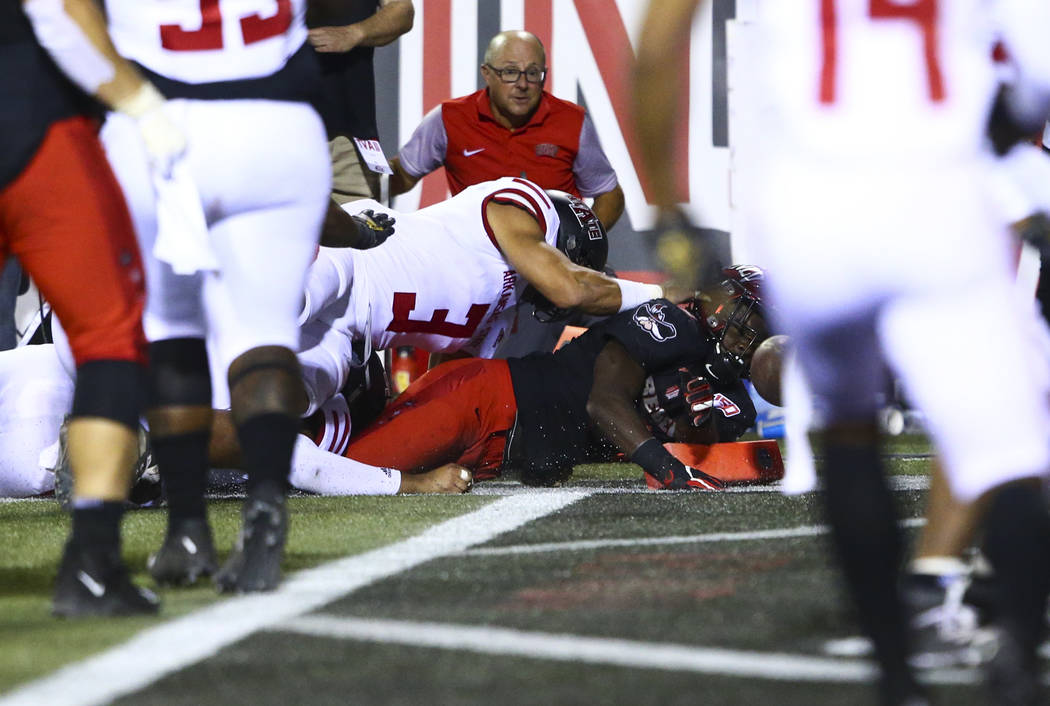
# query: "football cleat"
x,y
146,487
97,583
1013,672
692,479
63,471
255,563
187,554
944,629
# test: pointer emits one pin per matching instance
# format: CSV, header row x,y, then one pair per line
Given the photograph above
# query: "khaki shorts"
x,y
351,179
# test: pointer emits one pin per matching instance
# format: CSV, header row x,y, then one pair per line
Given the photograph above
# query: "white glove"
x,y
165,142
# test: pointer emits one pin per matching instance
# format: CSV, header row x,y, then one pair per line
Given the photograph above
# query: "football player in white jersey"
x,y
870,209
450,278
227,232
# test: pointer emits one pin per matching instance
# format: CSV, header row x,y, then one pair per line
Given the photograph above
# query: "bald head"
x,y
514,40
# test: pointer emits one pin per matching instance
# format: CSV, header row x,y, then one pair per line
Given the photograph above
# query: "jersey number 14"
x,y
254,28
922,12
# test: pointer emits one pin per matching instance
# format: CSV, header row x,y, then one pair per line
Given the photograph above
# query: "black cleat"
x,y
1013,674
187,554
97,583
255,563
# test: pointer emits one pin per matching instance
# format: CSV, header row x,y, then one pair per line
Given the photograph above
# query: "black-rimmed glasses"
x,y
511,75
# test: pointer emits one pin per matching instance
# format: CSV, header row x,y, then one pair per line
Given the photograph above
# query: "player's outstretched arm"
x,y
564,283
359,231
618,381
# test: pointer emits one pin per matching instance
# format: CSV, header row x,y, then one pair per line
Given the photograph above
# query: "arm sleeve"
x,y
68,45
327,280
592,171
326,358
325,473
425,150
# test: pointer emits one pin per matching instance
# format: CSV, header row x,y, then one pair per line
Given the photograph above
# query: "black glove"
x,y
664,471
1035,230
372,228
1006,126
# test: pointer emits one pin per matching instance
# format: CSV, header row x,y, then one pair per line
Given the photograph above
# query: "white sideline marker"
x,y
166,648
490,640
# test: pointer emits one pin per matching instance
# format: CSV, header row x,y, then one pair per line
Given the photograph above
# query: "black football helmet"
x,y
366,391
740,296
582,237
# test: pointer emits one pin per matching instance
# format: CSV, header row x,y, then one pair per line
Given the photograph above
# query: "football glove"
x,y
686,252
663,471
372,228
699,396
1035,229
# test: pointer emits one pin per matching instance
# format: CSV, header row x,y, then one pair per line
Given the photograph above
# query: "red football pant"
x,y
459,412
65,219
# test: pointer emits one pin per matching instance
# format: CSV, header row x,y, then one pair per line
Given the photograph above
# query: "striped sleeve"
x,y
527,196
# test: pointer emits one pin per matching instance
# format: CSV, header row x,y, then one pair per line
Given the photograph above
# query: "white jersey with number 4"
x,y
440,283
885,79
203,41
871,209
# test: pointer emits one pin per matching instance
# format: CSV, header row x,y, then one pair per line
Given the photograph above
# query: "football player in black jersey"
x,y
627,384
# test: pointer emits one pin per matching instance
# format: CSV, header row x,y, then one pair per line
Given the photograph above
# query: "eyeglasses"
x,y
532,74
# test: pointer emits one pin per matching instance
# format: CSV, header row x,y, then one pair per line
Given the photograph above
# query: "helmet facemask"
x,y
736,323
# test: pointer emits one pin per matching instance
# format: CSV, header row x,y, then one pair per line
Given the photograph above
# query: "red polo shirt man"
x,y
512,128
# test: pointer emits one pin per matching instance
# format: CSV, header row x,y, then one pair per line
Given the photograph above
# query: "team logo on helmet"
x,y
590,223
650,317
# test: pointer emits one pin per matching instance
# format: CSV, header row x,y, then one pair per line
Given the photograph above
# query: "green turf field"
x,y
601,592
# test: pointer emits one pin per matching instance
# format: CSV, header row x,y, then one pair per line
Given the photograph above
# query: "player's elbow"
x,y
568,296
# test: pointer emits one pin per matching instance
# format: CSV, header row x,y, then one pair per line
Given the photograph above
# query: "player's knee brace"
x,y
179,373
111,389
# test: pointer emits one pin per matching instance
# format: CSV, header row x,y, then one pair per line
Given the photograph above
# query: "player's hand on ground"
x,y
690,479
372,228
451,478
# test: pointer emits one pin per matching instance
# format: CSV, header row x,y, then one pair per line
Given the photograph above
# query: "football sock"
x,y
183,463
267,441
862,515
96,526
1017,539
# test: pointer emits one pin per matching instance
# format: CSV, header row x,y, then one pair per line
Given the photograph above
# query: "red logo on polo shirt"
x,y
546,150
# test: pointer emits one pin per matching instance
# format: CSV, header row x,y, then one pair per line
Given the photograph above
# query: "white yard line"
x,y
490,641
159,651
584,544
508,487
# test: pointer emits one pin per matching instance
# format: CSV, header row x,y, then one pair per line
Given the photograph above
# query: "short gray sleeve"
x,y
425,150
594,175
